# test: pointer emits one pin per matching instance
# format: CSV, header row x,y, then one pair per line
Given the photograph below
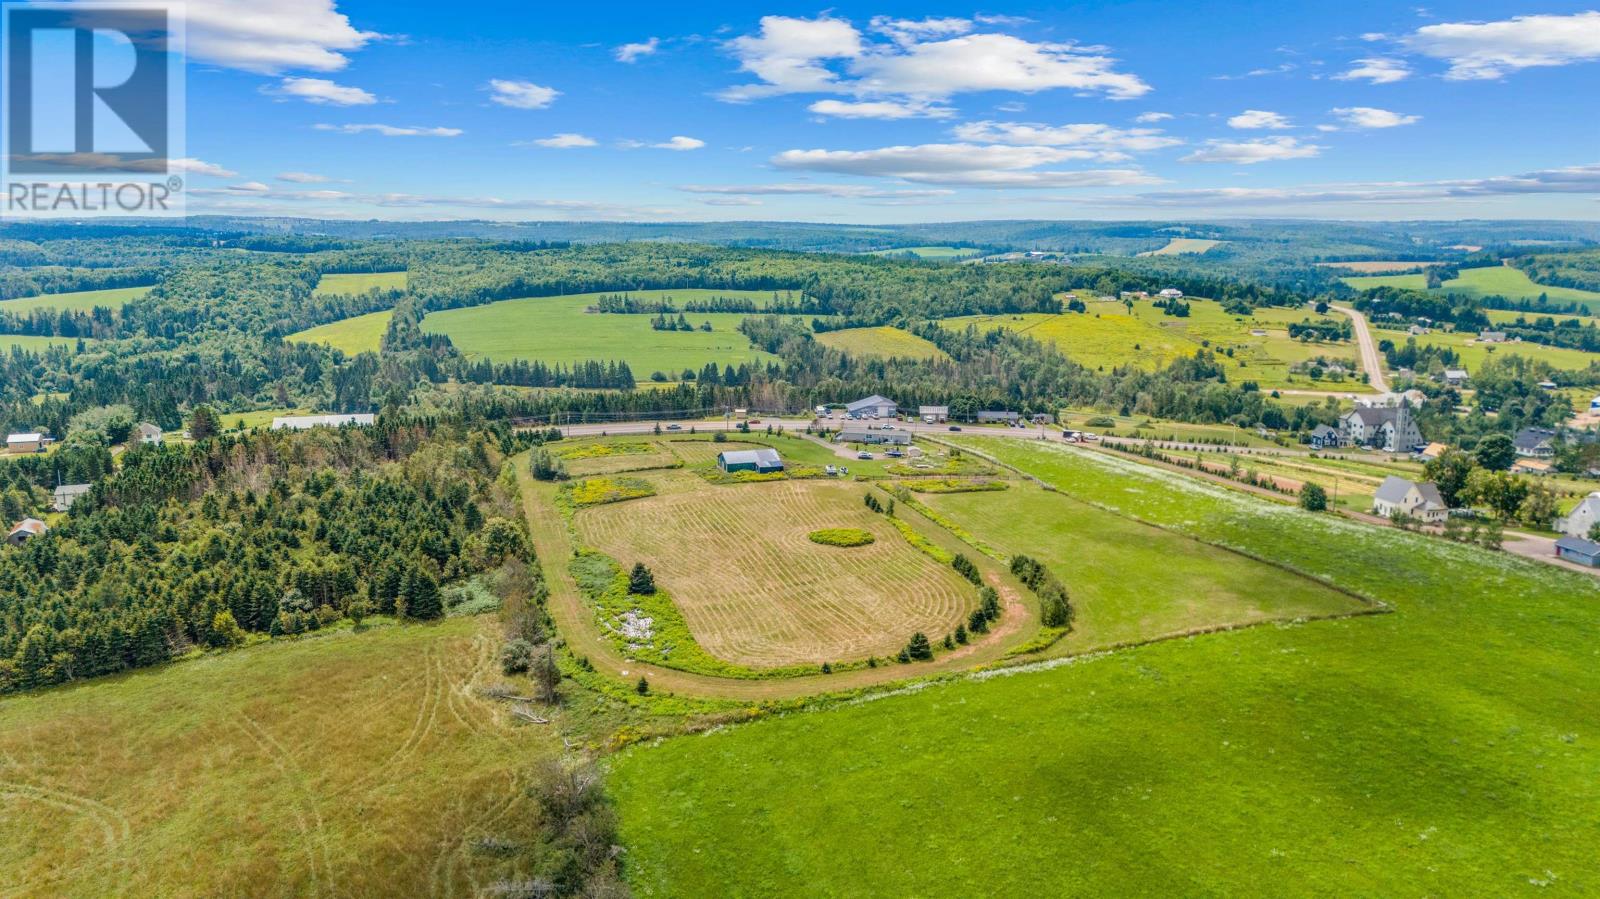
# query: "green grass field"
x,y
1499,281
76,301
361,334
1108,336
557,330
885,342
1181,245
931,252
342,764
1442,749
34,343
1474,354
360,282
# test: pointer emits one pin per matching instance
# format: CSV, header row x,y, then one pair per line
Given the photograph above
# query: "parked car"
x,y
863,455
674,427
755,421
955,427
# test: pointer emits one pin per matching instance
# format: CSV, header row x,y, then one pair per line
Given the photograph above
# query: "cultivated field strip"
x,y
756,591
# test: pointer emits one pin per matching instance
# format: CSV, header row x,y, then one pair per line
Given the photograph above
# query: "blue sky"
x,y
892,112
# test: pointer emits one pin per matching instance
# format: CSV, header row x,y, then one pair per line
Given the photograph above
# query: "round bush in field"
x,y
841,537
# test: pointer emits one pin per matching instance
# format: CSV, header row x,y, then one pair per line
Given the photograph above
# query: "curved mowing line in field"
x,y
755,590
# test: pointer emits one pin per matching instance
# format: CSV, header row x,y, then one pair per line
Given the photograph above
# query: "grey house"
x,y
1009,418
875,405
67,494
1390,429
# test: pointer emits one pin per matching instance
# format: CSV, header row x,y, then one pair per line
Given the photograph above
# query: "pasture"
x,y
1108,335
34,343
1473,354
358,334
360,282
1441,749
883,343
1370,267
340,764
75,301
1179,246
1500,280
756,591
558,330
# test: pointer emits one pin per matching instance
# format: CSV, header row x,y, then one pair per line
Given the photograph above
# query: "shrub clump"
x,y
841,537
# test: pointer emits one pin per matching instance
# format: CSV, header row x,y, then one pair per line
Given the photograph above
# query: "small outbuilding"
x,y
26,529
31,442
1578,550
761,461
67,494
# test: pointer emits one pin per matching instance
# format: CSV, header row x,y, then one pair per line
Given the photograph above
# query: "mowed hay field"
x,y
353,764
756,591
1500,280
75,301
884,343
557,330
1376,268
1131,581
1181,245
360,282
35,343
359,334
1442,749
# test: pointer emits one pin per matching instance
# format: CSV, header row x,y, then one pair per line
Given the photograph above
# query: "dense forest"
x,y
272,533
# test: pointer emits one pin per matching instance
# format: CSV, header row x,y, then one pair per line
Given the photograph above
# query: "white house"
x,y
1421,501
1390,429
1172,293
67,494
148,434
1584,517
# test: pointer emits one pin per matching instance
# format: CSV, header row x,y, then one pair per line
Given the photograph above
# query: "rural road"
x,y
1371,362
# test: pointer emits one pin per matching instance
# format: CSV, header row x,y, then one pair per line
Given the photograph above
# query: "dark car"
x,y
955,427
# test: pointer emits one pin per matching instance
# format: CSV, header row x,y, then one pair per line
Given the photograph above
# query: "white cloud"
x,y
190,165
565,141
1377,70
933,59
392,130
303,178
323,91
1581,179
1250,152
252,187
1258,120
1368,117
1150,118
1481,50
271,36
849,191
732,201
880,109
962,165
631,52
1111,143
521,94
908,31
680,142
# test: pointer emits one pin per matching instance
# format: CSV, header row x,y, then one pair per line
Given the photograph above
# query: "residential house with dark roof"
x,y
1324,437
1535,443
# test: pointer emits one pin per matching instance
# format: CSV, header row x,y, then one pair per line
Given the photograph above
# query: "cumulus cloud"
x,y
848,191
564,141
272,36
1250,152
1259,120
1377,70
521,94
323,91
631,52
1109,143
1150,118
392,130
930,59
190,165
1483,50
1362,117
963,165
880,109
678,142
